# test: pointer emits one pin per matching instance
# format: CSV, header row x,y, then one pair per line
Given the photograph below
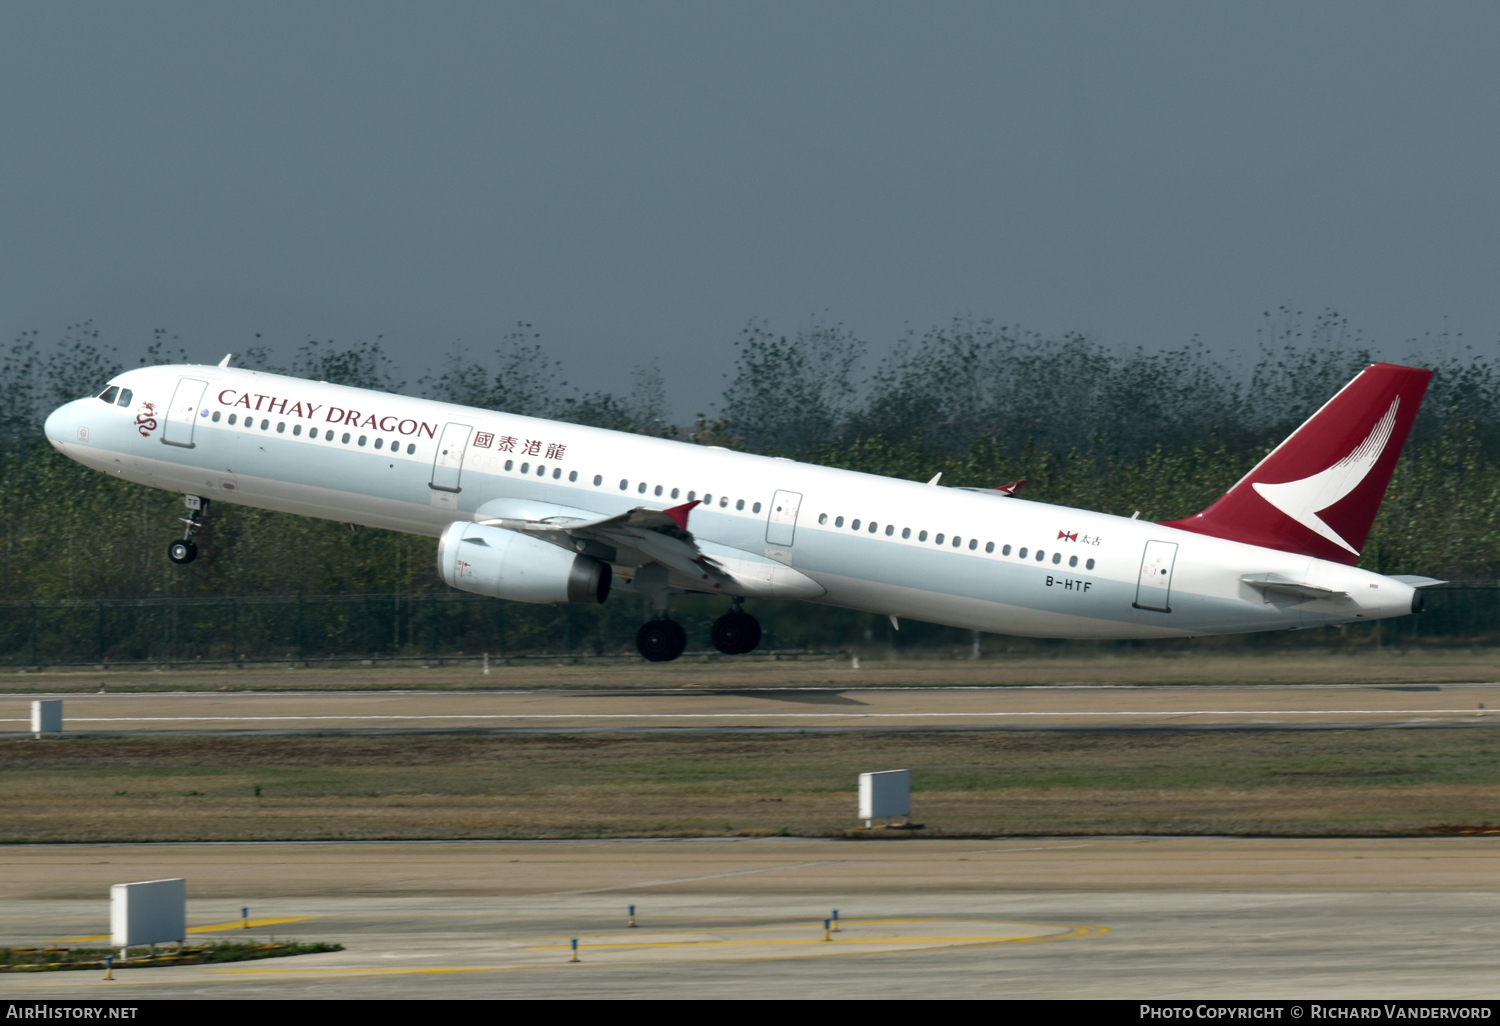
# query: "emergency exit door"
x,y
781,525
448,464
1153,589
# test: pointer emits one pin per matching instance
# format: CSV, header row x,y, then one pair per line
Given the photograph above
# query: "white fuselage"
x,y
967,558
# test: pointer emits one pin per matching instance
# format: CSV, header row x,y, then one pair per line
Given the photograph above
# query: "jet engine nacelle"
x,y
504,564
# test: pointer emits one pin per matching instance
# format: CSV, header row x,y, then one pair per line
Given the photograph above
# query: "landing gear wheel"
x,y
182,551
736,633
661,641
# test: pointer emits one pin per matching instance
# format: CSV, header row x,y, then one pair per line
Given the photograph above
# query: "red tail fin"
x,y
1318,491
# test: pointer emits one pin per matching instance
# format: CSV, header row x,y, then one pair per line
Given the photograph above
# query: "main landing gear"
x,y
183,550
734,633
661,641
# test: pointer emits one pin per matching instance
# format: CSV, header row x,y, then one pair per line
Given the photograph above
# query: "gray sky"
x,y
637,180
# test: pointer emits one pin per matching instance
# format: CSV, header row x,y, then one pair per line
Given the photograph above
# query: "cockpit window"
x,y
125,396
110,393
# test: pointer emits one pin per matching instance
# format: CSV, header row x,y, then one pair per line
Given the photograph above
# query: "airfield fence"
x,y
386,627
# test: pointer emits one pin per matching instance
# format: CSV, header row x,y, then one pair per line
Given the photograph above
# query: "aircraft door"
x,y
182,413
449,461
1154,588
781,525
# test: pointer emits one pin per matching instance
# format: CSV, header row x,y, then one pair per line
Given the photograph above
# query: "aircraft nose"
x,y
56,426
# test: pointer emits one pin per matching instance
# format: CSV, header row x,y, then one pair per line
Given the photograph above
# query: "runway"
x,y
1047,707
1089,917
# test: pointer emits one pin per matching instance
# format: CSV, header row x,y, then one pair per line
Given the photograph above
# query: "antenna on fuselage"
x,y
934,481
225,362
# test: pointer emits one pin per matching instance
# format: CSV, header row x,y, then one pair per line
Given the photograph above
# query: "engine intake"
x,y
505,564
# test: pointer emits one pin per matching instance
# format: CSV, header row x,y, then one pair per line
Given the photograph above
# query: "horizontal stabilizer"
x,y
1287,586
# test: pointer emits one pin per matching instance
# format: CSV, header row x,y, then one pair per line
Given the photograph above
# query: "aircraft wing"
x,y
637,536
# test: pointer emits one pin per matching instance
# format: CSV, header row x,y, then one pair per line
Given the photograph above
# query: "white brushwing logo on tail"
x,y
1303,500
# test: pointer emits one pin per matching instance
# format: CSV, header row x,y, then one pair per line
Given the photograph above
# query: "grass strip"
x,y
1377,782
41,960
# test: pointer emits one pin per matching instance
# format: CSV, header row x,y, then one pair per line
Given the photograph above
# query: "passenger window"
x,y
265,425
346,438
296,428
510,464
281,427
658,490
1022,553
541,471
557,473
311,432
1072,560
526,468
1040,555
572,475
973,544
989,546
740,504
922,536
755,508
723,501
854,525
410,448
692,496
873,526
1089,565
624,484
363,439
675,493
1006,551
838,521
642,488
110,394
890,529
216,417
956,540
822,518
1056,558
598,478
125,396
938,540
906,532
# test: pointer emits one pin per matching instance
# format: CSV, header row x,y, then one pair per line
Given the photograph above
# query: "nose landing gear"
x,y
183,550
736,632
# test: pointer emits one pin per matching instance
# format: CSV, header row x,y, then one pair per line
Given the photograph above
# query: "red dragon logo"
x,y
145,421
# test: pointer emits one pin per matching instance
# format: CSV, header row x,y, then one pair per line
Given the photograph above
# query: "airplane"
x,y
541,511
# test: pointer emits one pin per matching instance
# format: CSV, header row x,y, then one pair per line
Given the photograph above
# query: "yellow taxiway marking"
x,y
976,939
1073,932
238,924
